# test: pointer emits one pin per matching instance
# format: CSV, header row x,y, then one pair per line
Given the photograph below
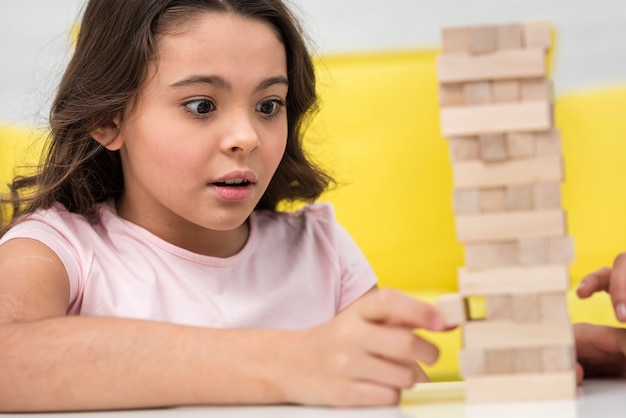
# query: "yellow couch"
x,y
378,133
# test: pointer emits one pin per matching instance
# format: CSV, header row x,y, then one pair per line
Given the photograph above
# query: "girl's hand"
x,y
610,280
363,357
601,351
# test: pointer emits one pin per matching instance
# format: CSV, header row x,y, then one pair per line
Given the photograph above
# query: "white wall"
x,y
591,51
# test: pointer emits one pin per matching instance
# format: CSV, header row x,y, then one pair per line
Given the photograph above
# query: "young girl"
x,y
146,264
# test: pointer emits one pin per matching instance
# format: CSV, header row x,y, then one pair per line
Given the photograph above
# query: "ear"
x,y
109,136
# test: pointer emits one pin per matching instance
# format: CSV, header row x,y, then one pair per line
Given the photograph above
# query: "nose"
x,y
240,134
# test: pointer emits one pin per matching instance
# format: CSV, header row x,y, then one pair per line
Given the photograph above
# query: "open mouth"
x,y
233,183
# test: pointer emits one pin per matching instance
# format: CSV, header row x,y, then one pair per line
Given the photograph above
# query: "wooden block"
x,y
521,144
493,147
498,307
537,89
463,149
520,197
527,360
472,362
477,174
503,226
455,40
499,65
507,334
477,93
510,36
497,118
549,143
453,309
553,306
451,94
513,279
533,251
493,200
537,35
481,255
521,387
506,91
525,307
499,361
558,359
547,195
561,249
482,39
467,201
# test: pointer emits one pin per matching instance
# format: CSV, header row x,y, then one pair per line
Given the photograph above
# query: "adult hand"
x,y
601,351
610,280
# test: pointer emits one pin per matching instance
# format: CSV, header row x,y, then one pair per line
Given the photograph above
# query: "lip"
x,y
234,193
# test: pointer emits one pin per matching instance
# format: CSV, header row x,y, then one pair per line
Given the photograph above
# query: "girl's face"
x,y
207,133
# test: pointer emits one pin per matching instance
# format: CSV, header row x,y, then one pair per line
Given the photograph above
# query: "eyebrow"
x,y
220,83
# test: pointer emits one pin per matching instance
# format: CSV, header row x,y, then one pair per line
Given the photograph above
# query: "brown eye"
x,y
270,107
200,106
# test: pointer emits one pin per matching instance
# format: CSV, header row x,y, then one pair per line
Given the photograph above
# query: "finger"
x,y
400,345
384,372
618,287
420,374
594,282
389,306
363,393
580,374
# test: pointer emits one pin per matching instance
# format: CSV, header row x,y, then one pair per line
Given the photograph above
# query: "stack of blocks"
x,y
497,113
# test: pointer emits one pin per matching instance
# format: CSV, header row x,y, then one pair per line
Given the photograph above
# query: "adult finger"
x,y
390,306
617,287
596,281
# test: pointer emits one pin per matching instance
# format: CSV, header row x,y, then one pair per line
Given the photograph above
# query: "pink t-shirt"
x,y
297,270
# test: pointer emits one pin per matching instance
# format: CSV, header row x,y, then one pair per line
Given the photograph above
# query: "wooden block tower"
x,y
497,113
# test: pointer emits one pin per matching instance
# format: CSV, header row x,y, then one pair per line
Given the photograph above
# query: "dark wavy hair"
x,y
117,42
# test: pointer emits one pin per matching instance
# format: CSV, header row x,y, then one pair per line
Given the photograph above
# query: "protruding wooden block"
x,y
549,143
547,195
513,279
506,91
498,118
558,359
526,307
498,307
499,361
477,93
553,306
521,387
503,226
510,36
493,199
482,39
561,249
527,360
472,362
520,197
453,308
477,174
451,94
455,40
537,34
533,251
507,334
467,201
493,147
505,64
521,144
464,149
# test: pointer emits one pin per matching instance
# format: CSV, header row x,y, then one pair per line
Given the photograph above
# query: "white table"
x,y
595,399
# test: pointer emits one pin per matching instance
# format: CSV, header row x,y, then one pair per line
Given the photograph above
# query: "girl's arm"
x,y
365,356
